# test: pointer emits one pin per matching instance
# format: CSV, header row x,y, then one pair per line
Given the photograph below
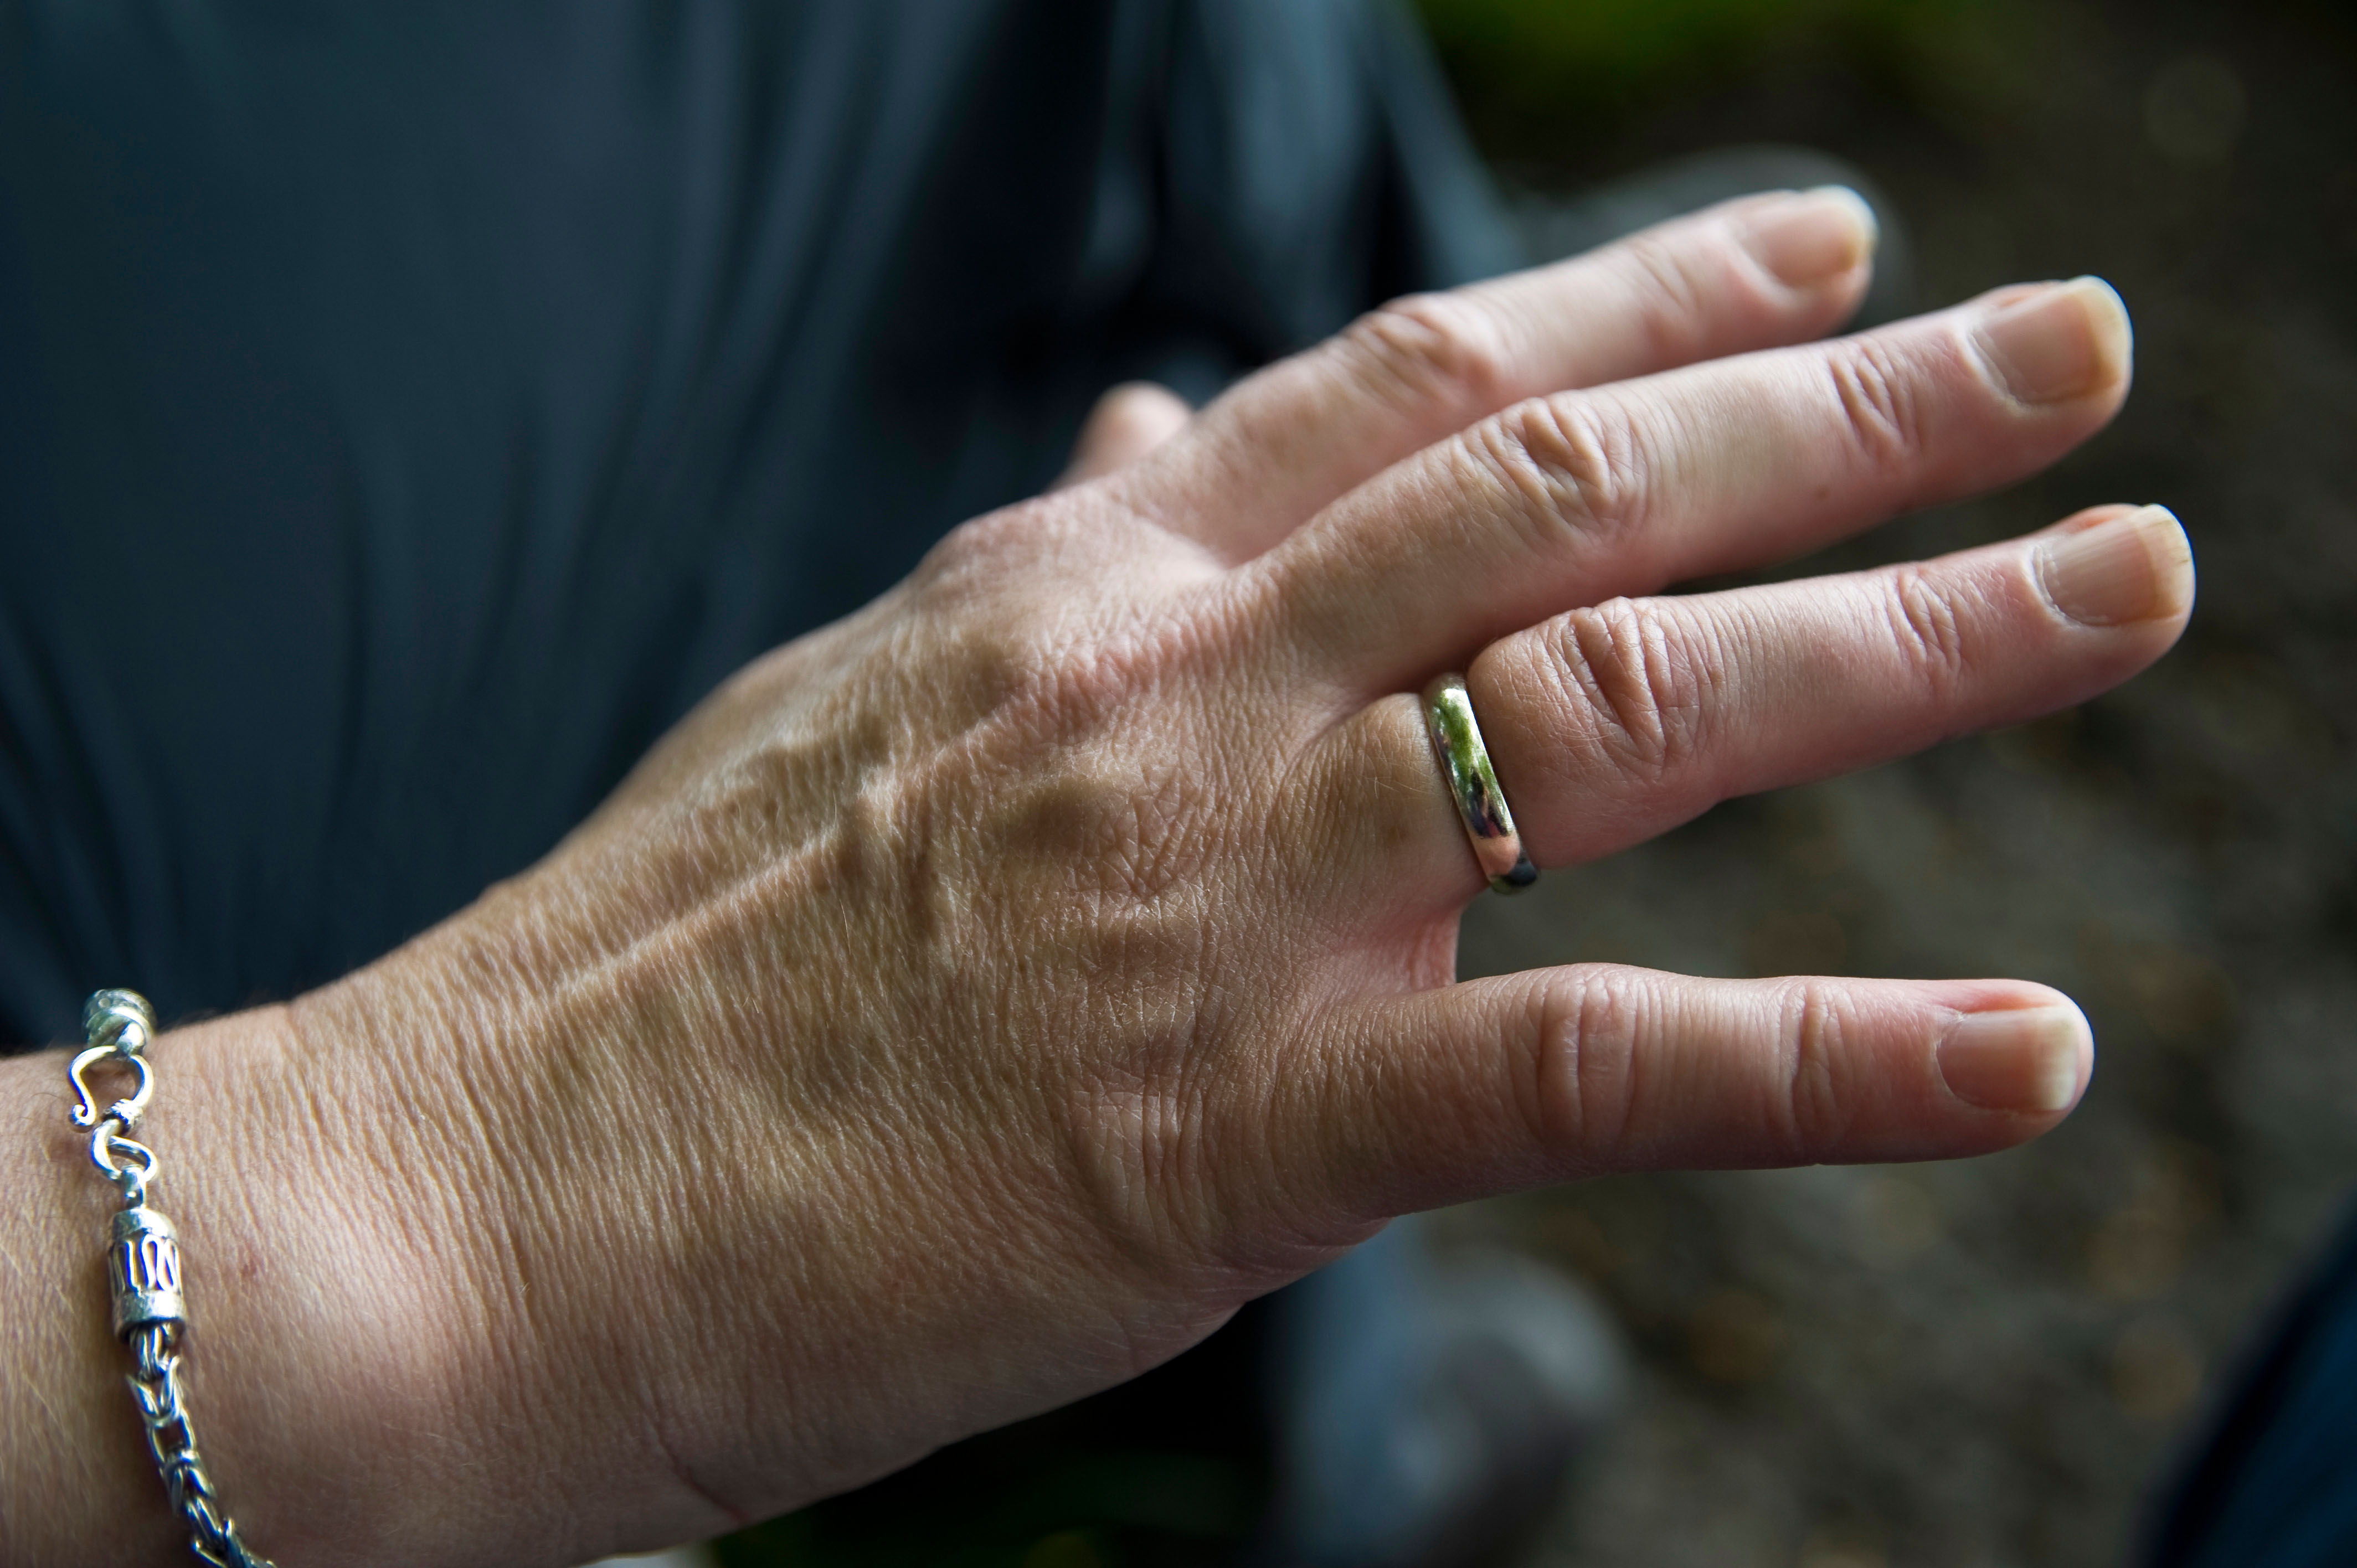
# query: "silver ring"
x,y
1473,785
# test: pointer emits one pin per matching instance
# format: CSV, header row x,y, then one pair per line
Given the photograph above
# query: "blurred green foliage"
x,y
1035,1506
1572,65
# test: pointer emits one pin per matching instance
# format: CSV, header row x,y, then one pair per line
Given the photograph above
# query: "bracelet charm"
x,y
142,1265
145,1269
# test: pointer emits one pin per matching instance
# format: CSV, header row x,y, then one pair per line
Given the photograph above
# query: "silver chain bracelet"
x,y
143,1263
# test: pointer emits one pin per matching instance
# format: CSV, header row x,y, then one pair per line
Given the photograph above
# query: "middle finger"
x,y
1573,498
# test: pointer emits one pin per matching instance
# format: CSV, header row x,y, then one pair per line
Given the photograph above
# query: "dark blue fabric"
x,y
2274,1483
408,410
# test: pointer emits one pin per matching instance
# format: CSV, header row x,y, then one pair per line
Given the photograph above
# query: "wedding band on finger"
x,y
1473,785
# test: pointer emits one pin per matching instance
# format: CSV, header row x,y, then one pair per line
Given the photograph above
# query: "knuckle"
x,y
1181,1173
1928,627
1136,1142
1090,794
1433,346
1637,687
1074,688
984,545
1815,1110
1880,398
1147,842
1672,286
1005,552
1582,1089
1075,679
1379,795
1568,465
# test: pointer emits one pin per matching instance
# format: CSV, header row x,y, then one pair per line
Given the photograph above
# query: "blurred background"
x,y
1989,1364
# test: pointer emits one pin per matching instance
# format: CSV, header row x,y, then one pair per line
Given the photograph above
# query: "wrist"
x,y
347,1409
232,1140
646,1203
526,1237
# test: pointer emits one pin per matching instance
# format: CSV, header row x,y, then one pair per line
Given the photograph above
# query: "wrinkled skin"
x,y
974,1002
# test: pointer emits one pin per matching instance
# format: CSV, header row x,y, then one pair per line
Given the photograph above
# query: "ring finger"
x,y
1611,723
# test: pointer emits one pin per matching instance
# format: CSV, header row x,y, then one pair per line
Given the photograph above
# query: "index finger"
x,y
1750,273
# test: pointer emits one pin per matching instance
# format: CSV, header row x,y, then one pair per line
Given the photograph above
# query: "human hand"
x,y
972,1003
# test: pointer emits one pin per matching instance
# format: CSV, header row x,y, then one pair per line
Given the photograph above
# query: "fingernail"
x,y
2062,342
2020,1059
1813,235
2130,568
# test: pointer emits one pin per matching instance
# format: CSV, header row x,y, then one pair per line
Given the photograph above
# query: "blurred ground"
x,y
1987,1363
